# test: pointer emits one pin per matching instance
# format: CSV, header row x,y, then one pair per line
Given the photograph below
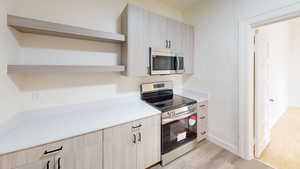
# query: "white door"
x,y
262,86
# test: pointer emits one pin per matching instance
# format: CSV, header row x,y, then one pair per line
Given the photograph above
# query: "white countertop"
x,y
35,128
200,97
29,129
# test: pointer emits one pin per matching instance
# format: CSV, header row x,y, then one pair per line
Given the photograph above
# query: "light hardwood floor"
x,y
283,152
211,156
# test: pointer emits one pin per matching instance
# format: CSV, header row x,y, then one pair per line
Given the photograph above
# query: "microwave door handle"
x,y
177,66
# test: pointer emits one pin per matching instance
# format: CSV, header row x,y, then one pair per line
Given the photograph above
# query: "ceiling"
x,y
181,4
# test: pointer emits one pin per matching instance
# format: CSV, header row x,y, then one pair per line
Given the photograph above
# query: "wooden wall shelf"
x,y
28,25
26,69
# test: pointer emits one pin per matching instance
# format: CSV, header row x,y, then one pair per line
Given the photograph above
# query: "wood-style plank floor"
x,y
283,152
211,156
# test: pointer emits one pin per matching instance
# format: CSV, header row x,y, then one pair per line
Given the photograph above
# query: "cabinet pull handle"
x,y
202,106
138,126
170,43
202,117
58,163
134,139
48,165
140,137
53,151
203,133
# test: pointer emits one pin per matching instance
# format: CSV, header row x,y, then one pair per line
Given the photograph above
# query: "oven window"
x,y
178,133
164,63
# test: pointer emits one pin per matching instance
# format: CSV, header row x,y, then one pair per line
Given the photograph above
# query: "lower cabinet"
x,y
134,145
202,121
82,152
41,164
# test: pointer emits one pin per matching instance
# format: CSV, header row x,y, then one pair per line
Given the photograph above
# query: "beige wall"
x,y
10,101
20,93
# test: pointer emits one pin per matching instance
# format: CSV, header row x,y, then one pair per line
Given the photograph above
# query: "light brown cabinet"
x,y
202,121
134,145
145,29
41,164
82,152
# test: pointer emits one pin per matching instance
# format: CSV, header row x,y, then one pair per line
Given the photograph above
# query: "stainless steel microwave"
x,y
165,61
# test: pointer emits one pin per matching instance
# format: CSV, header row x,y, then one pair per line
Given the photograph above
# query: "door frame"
x,y
246,72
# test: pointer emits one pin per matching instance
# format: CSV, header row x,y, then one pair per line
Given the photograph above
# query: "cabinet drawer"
x,y
37,157
202,126
41,164
29,156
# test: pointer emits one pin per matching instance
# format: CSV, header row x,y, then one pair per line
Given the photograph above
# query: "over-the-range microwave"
x,y
165,61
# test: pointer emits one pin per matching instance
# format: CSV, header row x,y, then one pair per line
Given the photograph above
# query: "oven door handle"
x,y
166,121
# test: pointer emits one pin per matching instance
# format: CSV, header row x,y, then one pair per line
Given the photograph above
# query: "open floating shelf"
x,y
26,69
28,25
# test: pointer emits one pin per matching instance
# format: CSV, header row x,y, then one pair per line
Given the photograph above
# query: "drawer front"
x,y
38,157
41,164
203,108
29,157
202,121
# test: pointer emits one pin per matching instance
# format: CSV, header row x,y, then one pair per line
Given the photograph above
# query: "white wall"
x,y
216,60
294,65
279,37
21,93
216,66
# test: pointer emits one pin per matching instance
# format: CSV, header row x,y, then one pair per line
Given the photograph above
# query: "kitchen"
x,y
68,115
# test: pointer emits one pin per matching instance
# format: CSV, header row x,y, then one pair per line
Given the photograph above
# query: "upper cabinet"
x,y
145,30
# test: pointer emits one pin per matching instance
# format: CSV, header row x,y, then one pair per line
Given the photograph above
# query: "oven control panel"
x,y
178,114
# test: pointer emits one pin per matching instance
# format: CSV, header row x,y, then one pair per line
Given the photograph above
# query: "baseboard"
x,y
230,147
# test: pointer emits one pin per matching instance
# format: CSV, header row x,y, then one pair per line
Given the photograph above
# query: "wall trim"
x,y
220,142
246,72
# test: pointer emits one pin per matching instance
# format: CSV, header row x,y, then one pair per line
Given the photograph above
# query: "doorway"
x,y
277,112
247,27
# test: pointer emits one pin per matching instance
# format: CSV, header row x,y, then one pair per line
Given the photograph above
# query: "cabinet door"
x,y
158,31
175,35
188,48
83,152
138,41
119,147
202,123
148,151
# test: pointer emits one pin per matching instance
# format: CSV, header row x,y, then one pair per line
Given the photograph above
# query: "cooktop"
x,y
166,100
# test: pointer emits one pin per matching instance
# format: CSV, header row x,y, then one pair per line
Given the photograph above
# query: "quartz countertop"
x,y
34,128
29,129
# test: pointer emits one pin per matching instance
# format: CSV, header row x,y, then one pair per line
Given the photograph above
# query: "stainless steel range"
x,y
178,119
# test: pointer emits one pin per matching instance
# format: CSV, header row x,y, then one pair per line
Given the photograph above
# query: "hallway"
x,y
283,152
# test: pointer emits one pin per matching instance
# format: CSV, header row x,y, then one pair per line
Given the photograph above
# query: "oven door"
x,y
163,62
178,132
